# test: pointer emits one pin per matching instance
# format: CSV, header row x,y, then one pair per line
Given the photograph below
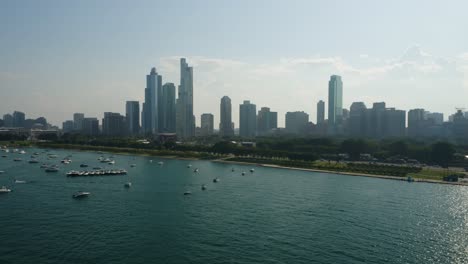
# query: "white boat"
x,y
128,185
195,170
43,166
243,173
17,159
187,192
66,161
19,181
34,161
4,190
189,166
81,194
160,163
203,187
216,180
133,165
22,152
252,170
112,162
1,172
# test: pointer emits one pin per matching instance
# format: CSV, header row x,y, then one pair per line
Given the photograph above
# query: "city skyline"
x,y
104,70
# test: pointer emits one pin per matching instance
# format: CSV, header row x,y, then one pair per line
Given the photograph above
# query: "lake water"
x,y
269,216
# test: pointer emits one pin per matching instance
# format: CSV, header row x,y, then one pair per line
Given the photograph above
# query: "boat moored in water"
x,y
128,185
4,189
203,187
216,180
81,194
17,159
187,193
52,169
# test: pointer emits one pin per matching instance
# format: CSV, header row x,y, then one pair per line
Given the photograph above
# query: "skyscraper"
x,y
7,120
226,127
132,117
169,108
296,122
247,119
266,121
18,119
335,103
153,92
113,124
68,126
207,124
78,121
357,119
90,126
185,119
320,112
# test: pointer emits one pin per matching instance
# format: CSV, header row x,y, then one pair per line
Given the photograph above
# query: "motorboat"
x,y
43,166
81,194
34,161
1,172
160,163
4,156
83,165
243,173
189,166
17,159
128,185
410,179
203,187
97,168
4,189
232,169
66,161
107,160
22,152
195,170
133,165
20,181
252,170
216,180
112,162
52,156
52,169
187,193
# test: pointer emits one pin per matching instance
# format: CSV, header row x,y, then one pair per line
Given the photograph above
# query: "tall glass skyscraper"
x,y
247,120
335,103
320,112
132,117
185,117
151,106
169,108
226,127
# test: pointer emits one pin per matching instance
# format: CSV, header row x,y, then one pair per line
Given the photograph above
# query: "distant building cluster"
x,y
167,112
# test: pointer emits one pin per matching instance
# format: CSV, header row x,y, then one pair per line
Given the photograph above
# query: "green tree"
x,y
442,153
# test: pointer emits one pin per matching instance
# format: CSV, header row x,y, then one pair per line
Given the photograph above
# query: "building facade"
x,y
169,108
266,121
320,112
132,117
207,124
296,122
247,120
78,121
113,124
185,127
226,126
153,93
335,103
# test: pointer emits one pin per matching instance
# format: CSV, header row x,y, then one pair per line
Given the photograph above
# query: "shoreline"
x,y
139,152
387,177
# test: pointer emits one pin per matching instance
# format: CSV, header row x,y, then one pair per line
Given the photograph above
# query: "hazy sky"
x,y
61,57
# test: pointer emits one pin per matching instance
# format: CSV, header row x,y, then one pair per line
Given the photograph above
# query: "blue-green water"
x,y
269,216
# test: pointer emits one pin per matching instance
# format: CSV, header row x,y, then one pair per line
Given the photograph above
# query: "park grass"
x,y
431,174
